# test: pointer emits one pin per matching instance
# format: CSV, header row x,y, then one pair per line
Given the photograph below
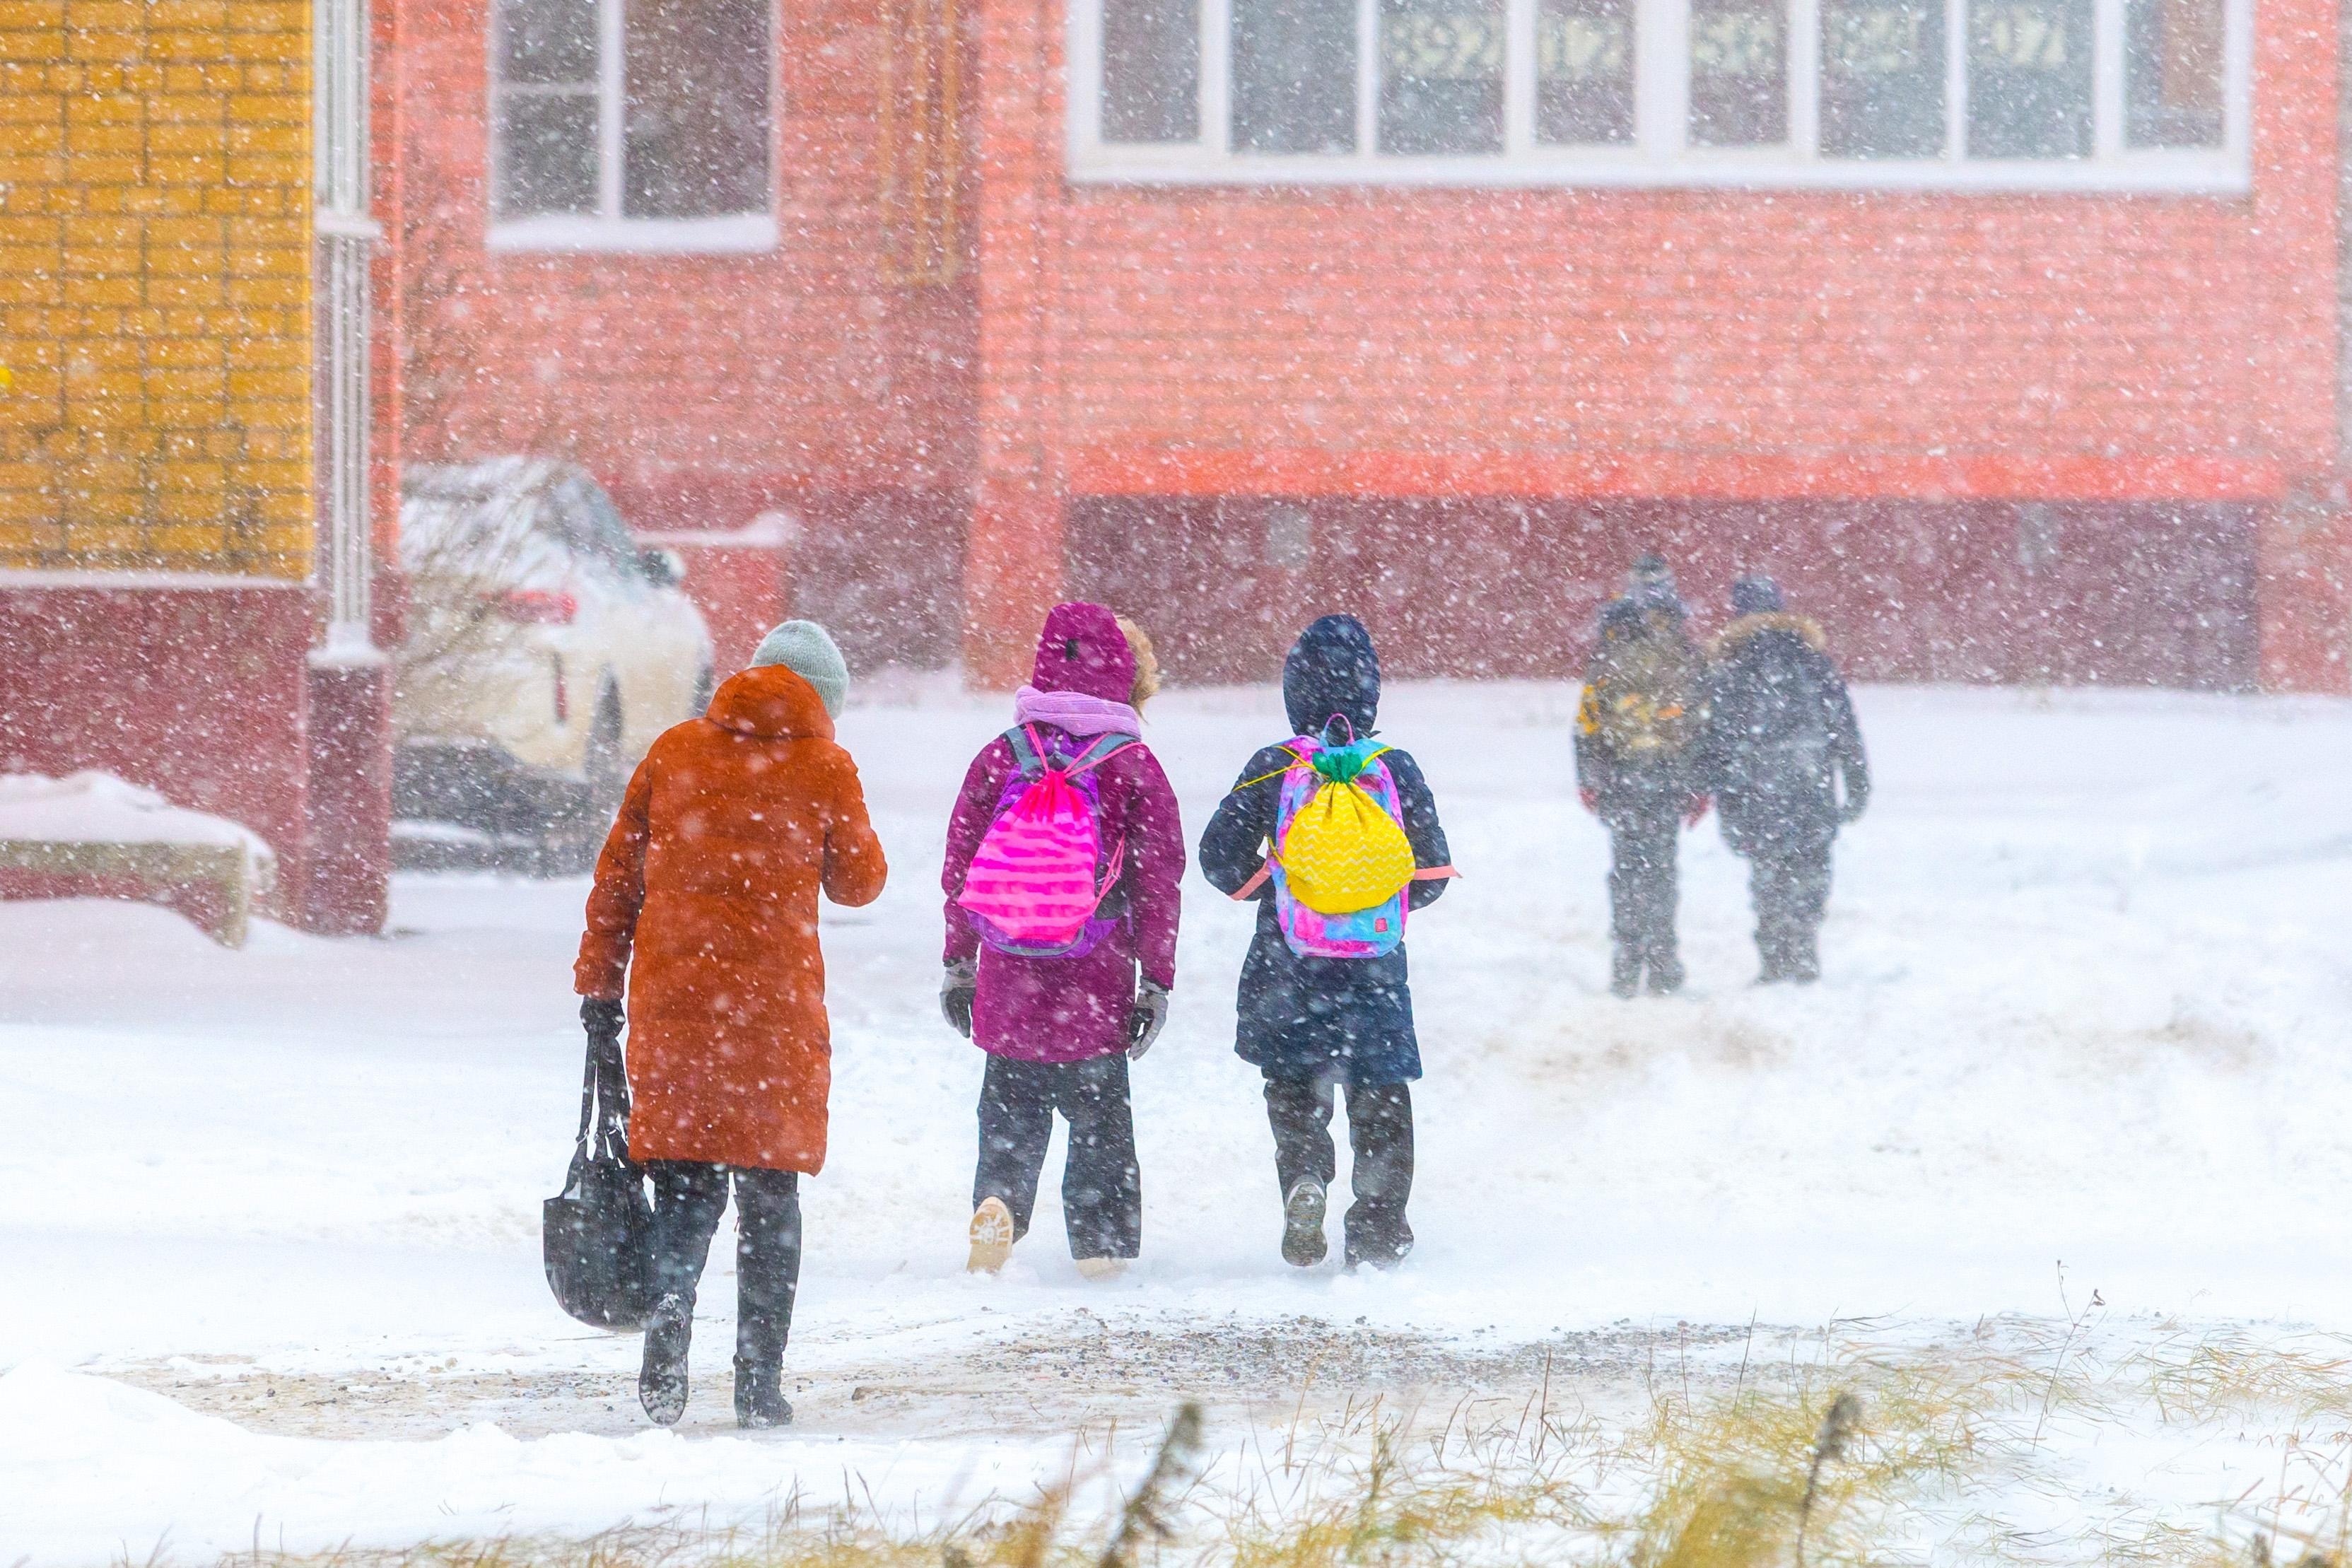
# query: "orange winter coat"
x,y
732,823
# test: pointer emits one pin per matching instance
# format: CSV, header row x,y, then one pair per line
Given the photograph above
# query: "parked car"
x,y
545,650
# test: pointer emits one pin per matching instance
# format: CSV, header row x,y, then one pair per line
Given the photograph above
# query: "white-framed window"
x,y
2027,95
632,124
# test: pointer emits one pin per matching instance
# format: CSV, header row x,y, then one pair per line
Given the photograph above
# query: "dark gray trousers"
x,y
1380,1135
1643,897
1791,886
688,1198
1102,1185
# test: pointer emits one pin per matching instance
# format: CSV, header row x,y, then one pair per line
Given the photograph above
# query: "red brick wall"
x,y
1706,344
702,390
1691,345
2142,592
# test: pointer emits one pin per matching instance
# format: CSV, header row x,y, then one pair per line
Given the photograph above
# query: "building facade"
x,y
189,509
2007,331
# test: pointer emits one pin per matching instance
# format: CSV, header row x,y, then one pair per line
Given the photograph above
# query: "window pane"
x,y
2030,79
1584,71
1294,71
1441,76
1739,73
1882,79
696,127
2173,73
1151,70
547,153
547,42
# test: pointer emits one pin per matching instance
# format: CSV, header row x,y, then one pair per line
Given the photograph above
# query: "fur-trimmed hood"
x,y
1803,628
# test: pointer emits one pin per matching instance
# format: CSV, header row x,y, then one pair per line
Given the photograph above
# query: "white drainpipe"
x,y
345,235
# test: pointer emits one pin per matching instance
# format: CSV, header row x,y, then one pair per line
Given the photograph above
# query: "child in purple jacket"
x,y
1059,1031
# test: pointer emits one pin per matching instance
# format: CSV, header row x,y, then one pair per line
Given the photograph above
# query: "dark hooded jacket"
x,y
1307,1017
1780,738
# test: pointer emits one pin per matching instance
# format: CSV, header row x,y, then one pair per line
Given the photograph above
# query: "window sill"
x,y
2199,173
749,234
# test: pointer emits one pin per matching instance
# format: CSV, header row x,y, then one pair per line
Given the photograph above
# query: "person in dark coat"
x,y
1317,1026
1785,760
1637,734
1059,1031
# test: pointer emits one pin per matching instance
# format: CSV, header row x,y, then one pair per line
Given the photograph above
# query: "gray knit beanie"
x,y
807,650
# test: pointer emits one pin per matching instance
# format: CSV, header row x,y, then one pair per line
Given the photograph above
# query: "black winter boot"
x,y
661,1381
760,1400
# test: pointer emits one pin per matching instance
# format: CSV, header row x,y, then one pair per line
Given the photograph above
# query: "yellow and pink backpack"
x,y
1341,864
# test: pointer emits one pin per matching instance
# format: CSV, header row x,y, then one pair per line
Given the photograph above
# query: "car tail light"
x,y
535,607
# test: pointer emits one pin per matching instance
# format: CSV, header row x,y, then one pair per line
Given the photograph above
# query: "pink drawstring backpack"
x,y
1038,877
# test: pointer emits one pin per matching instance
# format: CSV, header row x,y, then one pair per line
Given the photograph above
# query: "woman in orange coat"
x,y
732,824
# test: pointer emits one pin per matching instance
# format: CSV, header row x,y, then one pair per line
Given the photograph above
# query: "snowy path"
x,y
2086,1000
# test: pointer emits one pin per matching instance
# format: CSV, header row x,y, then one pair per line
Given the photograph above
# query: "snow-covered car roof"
x,y
485,511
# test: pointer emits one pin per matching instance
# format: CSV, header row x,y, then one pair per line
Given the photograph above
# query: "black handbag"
x,y
597,1234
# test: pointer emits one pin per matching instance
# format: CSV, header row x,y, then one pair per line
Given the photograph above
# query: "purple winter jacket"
x,y
1069,1009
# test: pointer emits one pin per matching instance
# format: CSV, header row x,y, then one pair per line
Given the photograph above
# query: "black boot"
x,y
661,1381
759,1394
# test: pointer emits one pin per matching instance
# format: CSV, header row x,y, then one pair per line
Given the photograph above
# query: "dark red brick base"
x,y
204,693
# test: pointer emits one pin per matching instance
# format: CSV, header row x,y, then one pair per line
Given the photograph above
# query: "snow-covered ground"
x,y
2086,1001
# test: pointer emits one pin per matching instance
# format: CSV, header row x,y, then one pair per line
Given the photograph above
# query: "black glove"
x,y
602,1019
1145,1018
957,989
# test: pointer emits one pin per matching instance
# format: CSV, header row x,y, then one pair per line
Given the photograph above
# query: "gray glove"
x,y
957,989
1145,1019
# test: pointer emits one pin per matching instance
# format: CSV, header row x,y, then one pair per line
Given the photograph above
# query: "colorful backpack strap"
x,y
1029,751
1300,749
1104,749
1028,755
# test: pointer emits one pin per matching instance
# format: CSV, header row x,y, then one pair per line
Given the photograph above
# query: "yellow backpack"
x,y
1340,840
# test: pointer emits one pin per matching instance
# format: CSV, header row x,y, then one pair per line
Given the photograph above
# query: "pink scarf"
x,y
1074,712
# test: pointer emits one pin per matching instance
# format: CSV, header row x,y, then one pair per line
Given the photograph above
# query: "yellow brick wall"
x,y
155,285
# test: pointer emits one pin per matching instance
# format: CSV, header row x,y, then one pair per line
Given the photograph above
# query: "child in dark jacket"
x,y
1316,1026
1060,1031
1780,742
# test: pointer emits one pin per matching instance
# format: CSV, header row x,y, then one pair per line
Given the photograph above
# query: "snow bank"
x,y
98,1471
90,807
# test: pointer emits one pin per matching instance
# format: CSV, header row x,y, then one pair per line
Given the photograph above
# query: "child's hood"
x,y
1333,668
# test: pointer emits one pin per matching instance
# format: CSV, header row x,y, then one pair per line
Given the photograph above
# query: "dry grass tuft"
x,y
1846,1454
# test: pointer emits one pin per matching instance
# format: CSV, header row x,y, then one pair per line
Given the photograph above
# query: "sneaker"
x,y
760,1400
1303,1245
1097,1270
992,1237
661,1381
